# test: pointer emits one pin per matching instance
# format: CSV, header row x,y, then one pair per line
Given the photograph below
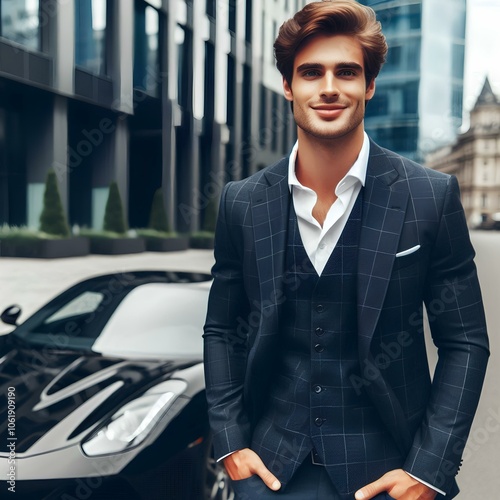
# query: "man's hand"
x,y
399,485
245,463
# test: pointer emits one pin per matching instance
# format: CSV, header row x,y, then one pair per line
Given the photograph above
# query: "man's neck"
x,y
322,163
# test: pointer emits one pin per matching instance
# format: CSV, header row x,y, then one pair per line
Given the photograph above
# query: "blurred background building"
x,y
418,103
177,94
475,159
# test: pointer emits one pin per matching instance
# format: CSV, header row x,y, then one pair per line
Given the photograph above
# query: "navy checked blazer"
x,y
405,207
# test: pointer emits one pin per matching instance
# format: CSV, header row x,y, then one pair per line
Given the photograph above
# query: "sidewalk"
x,y
30,283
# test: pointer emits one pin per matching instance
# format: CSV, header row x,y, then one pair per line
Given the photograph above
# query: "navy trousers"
x,y
310,482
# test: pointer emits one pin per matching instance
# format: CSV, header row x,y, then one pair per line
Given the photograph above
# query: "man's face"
x,y
328,89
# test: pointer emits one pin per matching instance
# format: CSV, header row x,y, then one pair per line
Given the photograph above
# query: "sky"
x,y
482,56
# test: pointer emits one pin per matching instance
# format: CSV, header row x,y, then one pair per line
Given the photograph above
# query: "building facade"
x,y
180,95
418,103
475,160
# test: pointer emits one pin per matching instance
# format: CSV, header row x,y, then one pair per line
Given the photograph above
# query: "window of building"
x,y
484,200
248,21
211,8
147,73
413,55
410,96
457,60
183,39
232,15
275,121
263,116
90,35
209,86
21,23
378,105
393,58
231,89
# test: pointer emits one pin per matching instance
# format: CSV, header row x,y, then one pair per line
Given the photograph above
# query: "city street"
x,y
31,283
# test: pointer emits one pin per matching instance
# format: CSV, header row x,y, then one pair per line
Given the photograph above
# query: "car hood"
x,y
61,395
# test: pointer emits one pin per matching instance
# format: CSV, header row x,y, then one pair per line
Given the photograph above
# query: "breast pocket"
x,y
407,259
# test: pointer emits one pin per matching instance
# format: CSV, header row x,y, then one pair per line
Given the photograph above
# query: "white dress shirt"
x,y
318,241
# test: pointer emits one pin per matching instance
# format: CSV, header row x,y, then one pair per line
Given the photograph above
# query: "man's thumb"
x,y
269,479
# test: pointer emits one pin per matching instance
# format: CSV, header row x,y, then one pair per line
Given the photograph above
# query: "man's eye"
x,y
311,73
347,72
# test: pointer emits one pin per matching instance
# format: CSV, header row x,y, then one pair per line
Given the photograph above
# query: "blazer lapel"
x,y
384,208
270,222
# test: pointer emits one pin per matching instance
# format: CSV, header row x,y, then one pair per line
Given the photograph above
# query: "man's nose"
x,y
329,87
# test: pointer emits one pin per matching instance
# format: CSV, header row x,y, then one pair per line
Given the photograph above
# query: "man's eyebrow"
x,y
309,66
341,65
349,65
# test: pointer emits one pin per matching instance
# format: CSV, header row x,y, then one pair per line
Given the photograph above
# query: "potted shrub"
x,y
115,238
158,236
53,239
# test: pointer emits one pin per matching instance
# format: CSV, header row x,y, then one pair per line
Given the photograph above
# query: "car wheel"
x,y
217,482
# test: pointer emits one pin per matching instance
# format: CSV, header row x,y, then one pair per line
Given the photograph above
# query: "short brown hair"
x,y
332,17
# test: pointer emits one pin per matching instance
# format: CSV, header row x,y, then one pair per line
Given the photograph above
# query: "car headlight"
x,y
132,423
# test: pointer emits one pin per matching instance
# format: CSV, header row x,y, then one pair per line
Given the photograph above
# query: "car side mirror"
x,y
10,315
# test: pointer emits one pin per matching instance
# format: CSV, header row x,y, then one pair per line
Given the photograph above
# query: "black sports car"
x,y
103,393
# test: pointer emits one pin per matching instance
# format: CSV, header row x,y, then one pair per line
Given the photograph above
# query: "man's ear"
x,y
287,90
370,90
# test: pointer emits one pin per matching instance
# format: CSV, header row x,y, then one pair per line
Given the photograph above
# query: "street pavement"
x,y
30,283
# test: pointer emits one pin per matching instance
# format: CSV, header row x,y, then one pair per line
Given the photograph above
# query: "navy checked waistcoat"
x,y
312,403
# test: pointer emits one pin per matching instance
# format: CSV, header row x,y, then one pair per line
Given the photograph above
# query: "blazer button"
x,y
318,421
319,348
320,308
319,331
317,389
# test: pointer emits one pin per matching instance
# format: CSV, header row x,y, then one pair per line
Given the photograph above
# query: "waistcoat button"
x,y
319,348
320,308
318,421
317,389
319,331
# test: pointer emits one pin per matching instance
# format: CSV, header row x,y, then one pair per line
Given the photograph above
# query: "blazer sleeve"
x,y
458,328
225,347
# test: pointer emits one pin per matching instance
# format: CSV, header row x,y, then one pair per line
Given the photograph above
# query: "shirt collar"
x,y
357,173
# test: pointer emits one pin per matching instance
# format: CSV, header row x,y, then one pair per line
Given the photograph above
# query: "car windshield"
x,y
156,320
152,320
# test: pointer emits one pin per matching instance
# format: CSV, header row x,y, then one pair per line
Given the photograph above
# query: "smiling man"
x,y
316,370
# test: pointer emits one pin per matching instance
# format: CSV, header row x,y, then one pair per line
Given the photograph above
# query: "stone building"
x,y
475,159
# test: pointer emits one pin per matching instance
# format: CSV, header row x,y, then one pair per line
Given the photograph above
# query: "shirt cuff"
x,y
423,482
227,454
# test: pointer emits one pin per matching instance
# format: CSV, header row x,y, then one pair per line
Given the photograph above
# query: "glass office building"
x,y
418,103
180,95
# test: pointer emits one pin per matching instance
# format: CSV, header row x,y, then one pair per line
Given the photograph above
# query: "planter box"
x,y
173,244
202,242
45,249
116,246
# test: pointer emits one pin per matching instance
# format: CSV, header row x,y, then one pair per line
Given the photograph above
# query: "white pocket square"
x,y
408,252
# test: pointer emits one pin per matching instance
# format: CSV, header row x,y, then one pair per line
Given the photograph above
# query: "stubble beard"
x,y
327,129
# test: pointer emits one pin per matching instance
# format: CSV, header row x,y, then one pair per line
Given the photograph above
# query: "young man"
x,y
316,370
